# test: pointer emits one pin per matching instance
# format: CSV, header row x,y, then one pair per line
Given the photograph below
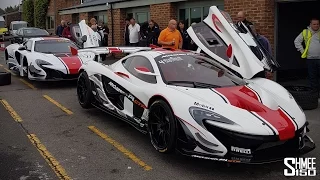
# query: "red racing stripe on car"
x,y
114,50
241,97
73,64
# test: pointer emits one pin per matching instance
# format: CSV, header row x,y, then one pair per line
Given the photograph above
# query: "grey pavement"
x,y
19,159
86,156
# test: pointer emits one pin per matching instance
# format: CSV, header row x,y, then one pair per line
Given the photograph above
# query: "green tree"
x,y
40,13
27,12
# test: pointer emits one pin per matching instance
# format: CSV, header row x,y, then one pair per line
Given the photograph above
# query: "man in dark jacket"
x,y
241,16
60,28
153,33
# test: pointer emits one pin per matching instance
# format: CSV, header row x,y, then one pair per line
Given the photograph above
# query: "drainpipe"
x,y
112,35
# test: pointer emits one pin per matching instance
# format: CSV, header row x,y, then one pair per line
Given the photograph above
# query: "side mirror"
x,y
22,48
84,38
144,70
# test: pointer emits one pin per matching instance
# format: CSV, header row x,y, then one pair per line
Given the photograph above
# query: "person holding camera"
x,y
170,37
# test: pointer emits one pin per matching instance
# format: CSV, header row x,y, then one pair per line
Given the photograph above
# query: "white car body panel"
x,y
260,108
60,63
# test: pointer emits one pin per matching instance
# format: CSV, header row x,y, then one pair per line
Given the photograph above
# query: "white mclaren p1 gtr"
x,y
44,59
207,104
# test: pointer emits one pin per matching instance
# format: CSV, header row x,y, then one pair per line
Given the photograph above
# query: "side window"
x,y
29,45
19,32
140,62
212,41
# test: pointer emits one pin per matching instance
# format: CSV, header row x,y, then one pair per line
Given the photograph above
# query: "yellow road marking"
x,y
11,111
28,84
121,148
58,105
9,71
53,163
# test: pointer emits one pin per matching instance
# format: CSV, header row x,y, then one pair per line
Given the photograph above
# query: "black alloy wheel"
x,y
162,127
84,91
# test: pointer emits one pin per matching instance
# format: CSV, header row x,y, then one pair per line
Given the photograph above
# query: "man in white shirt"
x,y
134,32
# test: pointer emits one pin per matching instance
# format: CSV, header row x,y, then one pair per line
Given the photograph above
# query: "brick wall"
x,y
66,17
56,5
162,13
119,16
259,12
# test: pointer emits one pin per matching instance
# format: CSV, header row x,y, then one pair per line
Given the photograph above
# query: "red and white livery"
x,y
44,59
208,104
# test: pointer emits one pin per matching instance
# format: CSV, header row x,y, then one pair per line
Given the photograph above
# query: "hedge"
x,y
40,13
27,14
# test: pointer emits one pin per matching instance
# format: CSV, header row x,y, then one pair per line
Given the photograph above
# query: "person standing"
x,y
264,42
185,35
126,32
241,16
60,28
153,33
310,50
134,32
67,32
170,37
104,28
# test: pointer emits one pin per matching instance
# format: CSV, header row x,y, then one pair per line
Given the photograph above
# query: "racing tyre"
x,y
5,78
162,127
84,91
305,96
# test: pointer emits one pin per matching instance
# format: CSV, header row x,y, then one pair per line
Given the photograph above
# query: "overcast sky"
x,y
6,3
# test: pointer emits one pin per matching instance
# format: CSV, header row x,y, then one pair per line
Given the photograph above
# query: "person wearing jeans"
x,y
310,38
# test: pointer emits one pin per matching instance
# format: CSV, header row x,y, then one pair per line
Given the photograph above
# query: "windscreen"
x,y
35,32
193,68
53,46
18,26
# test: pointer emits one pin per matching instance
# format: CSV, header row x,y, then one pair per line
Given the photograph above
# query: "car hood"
x,y
253,108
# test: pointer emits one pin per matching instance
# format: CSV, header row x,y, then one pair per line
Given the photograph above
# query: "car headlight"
x,y
42,62
200,114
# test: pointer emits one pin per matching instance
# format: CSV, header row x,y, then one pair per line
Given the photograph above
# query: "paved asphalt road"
x,y
111,149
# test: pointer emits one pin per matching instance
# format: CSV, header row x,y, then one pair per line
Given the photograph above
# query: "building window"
x,y
195,14
50,22
184,15
142,17
101,18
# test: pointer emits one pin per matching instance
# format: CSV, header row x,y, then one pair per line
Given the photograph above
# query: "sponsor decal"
x,y
300,166
240,150
203,106
210,158
240,159
170,60
129,96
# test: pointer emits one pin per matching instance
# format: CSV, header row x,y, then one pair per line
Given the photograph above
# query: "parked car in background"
x,y
3,29
44,59
25,33
15,25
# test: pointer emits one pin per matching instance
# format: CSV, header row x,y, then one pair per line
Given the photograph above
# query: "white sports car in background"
x,y
208,104
44,59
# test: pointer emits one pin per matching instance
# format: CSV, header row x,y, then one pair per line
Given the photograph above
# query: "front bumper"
x,y
47,74
264,149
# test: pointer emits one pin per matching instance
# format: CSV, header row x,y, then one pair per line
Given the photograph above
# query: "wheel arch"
x,y
25,61
180,132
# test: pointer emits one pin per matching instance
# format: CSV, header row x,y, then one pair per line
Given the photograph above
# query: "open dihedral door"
x,y
218,37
